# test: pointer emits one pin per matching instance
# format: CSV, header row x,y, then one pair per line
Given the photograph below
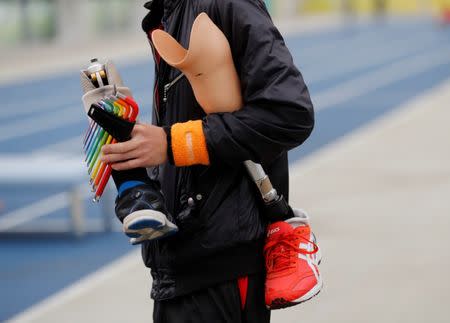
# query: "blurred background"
x,y
374,176
25,22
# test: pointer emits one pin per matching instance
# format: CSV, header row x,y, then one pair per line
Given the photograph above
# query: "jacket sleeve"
x,y
277,114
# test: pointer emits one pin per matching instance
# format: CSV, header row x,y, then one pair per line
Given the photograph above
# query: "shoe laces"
x,y
282,253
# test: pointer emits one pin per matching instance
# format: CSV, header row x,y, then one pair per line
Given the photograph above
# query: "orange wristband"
x,y
189,144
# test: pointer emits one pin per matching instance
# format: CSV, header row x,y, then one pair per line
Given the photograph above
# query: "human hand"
x,y
146,148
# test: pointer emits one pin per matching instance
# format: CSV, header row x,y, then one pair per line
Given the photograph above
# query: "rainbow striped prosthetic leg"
x,y
113,112
113,119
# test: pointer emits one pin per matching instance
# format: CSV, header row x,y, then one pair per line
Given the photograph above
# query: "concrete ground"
x,y
379,202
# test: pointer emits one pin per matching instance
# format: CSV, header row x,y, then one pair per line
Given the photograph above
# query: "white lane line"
x,y
347,41
40,105
364,59
34,210
117,268
356,63
65,226
70,145
365,40
44,104
36,124
371,50
353,63
387,75
39,169
51,120
73,114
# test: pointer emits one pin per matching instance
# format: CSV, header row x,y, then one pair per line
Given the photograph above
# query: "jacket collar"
x,y
158,11
169,5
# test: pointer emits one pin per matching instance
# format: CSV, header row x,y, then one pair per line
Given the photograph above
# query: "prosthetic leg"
x,y
140,205
209,67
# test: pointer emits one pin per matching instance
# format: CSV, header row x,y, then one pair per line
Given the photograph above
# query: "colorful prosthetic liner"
x,y
112,120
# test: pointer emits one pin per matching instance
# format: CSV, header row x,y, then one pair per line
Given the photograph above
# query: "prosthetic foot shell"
x,y
207,63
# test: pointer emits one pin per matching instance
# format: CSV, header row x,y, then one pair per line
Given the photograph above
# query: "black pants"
x,y
218,304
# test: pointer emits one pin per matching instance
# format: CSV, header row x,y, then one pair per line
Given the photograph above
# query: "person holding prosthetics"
x,y
213,268
146,217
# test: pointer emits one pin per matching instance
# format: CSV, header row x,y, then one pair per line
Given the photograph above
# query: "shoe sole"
x,y
150,224
155,236
280,303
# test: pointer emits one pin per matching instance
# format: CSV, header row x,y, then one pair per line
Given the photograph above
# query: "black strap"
x,y
118,128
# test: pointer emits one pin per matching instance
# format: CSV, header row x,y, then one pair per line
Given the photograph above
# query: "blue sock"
x,y
127,185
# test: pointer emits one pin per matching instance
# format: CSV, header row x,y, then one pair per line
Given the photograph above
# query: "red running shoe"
x,y
292,259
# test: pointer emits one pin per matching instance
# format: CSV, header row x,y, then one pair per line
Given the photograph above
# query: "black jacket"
x,y
217,207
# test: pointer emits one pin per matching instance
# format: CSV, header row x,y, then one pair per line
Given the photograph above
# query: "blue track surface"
x,y
33,269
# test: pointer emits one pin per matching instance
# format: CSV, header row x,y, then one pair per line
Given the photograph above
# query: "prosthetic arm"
x,y
208,65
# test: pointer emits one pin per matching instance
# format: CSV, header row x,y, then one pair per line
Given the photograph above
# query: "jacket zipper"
x,y
155,101
169,85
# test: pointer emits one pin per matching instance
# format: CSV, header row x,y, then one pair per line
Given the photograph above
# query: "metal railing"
x,y
23,171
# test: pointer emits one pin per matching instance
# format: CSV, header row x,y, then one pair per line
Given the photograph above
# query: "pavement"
x,y
379,205
367,195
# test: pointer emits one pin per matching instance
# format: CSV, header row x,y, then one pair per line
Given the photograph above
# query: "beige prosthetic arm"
x,y
208,65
